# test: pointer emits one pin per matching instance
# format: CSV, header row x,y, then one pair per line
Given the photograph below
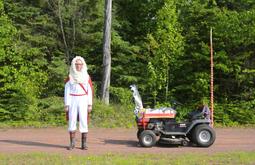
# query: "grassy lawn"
x,y
232,158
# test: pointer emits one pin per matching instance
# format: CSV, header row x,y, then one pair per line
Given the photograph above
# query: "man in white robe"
x,y
78,100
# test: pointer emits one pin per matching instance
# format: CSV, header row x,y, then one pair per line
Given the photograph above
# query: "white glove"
x,y
66,108
89,108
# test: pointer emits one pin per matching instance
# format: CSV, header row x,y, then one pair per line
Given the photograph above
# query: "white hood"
x,y
78,77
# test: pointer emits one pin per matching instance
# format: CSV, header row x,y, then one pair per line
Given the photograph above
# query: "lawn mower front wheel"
x,y
204,135
147,138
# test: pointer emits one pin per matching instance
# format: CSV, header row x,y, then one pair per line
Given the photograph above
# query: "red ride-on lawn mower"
x,y
159,125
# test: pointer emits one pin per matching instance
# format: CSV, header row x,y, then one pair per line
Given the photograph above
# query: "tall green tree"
x,y
232,45
235,54
136,20
77,30
164,49
21,76
7,31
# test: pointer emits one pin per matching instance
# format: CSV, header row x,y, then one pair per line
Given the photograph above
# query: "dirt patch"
x,y
123,141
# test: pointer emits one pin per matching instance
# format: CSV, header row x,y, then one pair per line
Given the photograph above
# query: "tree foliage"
x,y
160,45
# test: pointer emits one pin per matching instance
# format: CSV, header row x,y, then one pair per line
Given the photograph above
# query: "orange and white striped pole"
x,y
211,85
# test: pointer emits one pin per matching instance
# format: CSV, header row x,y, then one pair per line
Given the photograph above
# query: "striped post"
x,y
211,85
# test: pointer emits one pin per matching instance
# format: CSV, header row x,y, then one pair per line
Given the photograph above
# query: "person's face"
x,y
78,65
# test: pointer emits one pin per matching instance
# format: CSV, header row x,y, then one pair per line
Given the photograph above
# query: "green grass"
x,y
232,158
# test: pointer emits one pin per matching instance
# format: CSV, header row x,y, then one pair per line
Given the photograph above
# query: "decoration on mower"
x,y
159,125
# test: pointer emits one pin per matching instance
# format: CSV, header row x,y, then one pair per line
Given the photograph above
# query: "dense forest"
x,y
160,45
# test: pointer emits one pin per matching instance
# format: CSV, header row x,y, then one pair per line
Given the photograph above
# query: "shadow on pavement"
x,y
129,143
133,143
30,143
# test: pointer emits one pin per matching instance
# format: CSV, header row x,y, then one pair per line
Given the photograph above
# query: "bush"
x,y
51,113
235,113
110,116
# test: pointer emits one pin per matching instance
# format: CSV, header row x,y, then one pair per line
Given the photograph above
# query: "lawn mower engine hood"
x,y
140,112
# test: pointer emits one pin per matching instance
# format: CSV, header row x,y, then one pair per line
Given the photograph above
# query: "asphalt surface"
x,y
117,140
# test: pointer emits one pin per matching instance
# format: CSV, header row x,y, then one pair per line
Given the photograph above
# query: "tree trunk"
x,y
63,32
74,26
106,53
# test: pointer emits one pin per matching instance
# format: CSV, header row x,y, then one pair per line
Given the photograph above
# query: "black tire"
x,y
139,133
147,138
203,135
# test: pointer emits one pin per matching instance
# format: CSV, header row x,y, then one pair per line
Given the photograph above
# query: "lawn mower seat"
x,y
203,112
